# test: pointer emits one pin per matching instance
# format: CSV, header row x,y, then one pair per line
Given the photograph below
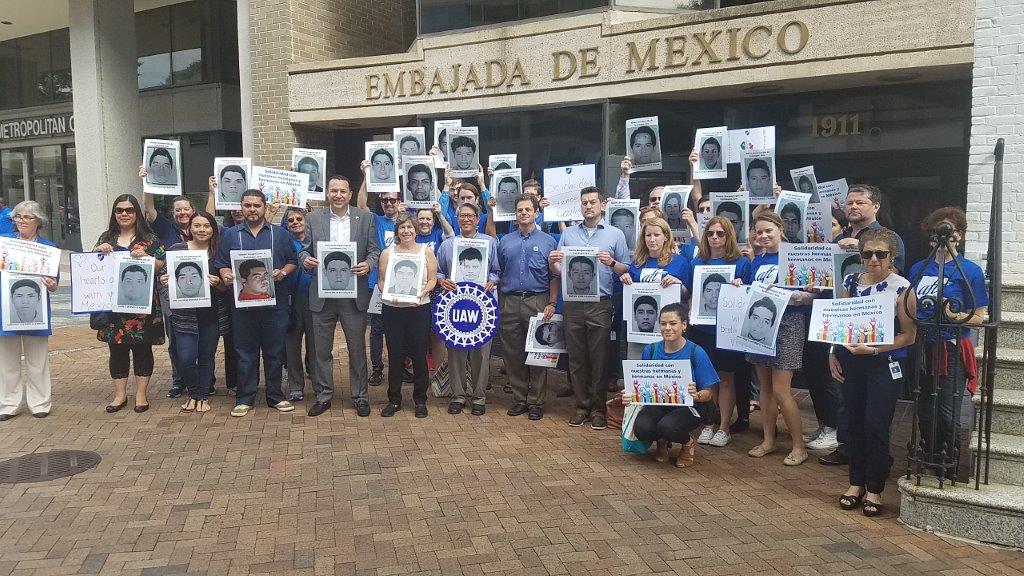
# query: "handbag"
x,y
99,320
630,443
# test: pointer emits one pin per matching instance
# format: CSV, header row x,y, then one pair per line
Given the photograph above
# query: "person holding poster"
x,y
130,336
588,324
759,175
656,260
407,324
663,425
300,317
259,330
162,167
471,388
870,384
28,218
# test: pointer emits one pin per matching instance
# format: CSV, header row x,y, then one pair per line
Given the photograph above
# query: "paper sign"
x,y
643,144
335,277
162,160
281,186
233,176
27,257
254,278
844,263
732,301
92,282
188,282
833,191
562,189
133,285
412,141
383,174
25,303
501,161
761,318
506,186
658,382
734,207
707,283
806,264
805,182
641,305
546,337
709,144
441,138
419,190
580,274
792,209
542,359
624,214
862,320
818,222
314,163
405,274
470,260
673,202
758,169
738,141
464,151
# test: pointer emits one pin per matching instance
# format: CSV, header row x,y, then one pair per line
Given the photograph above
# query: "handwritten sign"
x,y
864,320
562,189
92,282
833,191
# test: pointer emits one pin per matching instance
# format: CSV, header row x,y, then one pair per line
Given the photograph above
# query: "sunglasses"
x,y
389,200
715,233
880,254
128,210
299,219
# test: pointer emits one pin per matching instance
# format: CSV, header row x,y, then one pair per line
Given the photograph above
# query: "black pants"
x,y
741,382
672,423
826,394
407,333
120,359
869,395
941,410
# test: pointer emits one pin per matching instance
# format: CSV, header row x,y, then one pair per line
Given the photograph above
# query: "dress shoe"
x,y
319,408
518,409
389,410
478,410
41,414
578,420
140,408
835,458
376,378
362,408
6,417
739,425
455,407
536,412
598,422
421,410
111,408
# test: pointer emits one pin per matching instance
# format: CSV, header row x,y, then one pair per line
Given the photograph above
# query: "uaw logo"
x,y
466,318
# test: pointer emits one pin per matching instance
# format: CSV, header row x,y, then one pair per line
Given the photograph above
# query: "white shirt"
x,y
340,226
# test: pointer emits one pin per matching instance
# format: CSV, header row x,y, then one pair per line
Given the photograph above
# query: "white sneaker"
x,y
721,438
706,434
808,438
284,406
827,440
240,410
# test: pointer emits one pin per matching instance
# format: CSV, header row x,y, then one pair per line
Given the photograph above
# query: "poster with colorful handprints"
x,y
806,265
658,382
864,320
818,222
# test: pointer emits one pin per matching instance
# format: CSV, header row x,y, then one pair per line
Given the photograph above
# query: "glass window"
x,y
9,74
442,15
153,45
60,73
188,22
34,77
13,174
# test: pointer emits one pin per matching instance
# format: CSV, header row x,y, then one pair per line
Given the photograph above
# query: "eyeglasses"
x,y
880,254
23,217
297,219
128,210
389,200
715,233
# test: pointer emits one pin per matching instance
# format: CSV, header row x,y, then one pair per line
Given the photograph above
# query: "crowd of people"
x,y
854,388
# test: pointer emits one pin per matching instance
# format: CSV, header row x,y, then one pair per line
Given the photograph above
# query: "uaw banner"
x,y
467,317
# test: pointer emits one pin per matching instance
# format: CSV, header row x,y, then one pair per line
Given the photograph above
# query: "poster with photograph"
x,y
188,282
844,263
709,144
502,161
806,264
546,336
643,144
281,186
254,278
805,182
162,159
682,237
818,222
707,283
734,207
404,277
469,260
312,162
758,167
441,139
673,202
506,186
834,191
580,274
624,214
641,304
792,209
419,191
29,257
411,141
702,221
336,279
737,141
562,187
658,382
383,174
92,282
542,359
464,151
232,180
850,321
133,287
732,302
376,304
25,301
762,316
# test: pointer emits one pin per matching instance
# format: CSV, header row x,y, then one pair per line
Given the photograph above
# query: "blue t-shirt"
x,y
955,289
764,268
385,238
741,272
704,373
433,239
167,231
6,221
302,278
678,266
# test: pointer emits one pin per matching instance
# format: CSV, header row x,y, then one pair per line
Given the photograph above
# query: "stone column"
x,y
108,144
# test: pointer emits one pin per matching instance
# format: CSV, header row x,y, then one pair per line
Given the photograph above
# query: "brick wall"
x,y
998,111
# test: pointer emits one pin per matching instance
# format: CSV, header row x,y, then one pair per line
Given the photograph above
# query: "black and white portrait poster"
x,y
501,161
469,260
232,180
546,336
707,283
314,163
383,173
792,208
419,189
335,277
673,202
411,141
761,318
580,274
506,186
133,287
188,279
758,167
844,263
734,207
624,214
254,278
643,144
464,151
709,144
404,278
24,303
805,182
441,138
641,304
162,159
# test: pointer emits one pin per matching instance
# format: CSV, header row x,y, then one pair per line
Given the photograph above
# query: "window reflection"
x,y
442,15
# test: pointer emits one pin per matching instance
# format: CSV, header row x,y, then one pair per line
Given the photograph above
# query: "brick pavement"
x,y
286,494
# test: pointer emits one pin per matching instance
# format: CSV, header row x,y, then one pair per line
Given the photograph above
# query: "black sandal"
x,y
850,501
872,509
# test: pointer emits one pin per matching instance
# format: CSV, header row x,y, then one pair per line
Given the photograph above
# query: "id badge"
x,y
894,369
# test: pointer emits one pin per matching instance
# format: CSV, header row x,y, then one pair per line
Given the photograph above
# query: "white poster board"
x,y
92,282
707,284
25,303
464,151
732,302
641,305
758,169
580,274
805,182
818,222
506,186
133,285
542,359
383,173
502,161
411,141
313,162
849,321
792,209
441,139
254,278
844,263
188,282
470,260
335,278
734,207
29,257
643,143
762,316
562,187
624,214
281,186
806,264
834,191
748,139
233,176
710,146
419,190
546,336
162,160
658,382
673,201
405,274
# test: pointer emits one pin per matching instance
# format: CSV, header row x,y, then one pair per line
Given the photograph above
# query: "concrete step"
x,y
1007,411
1013,297
1006,458
1009,367
1011,330
992,515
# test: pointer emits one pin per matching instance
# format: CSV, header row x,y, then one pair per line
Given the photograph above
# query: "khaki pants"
x,y
587,328
529,383
476,362
35,387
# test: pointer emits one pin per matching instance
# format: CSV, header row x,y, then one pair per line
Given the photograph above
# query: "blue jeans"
x,y
195,356
172,352
256,331
377,342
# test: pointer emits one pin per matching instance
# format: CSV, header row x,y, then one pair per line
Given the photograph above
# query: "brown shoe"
x,y
661,450
685,457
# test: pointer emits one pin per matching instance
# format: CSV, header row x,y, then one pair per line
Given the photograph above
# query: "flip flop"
x,y
791,460
189,406
760,451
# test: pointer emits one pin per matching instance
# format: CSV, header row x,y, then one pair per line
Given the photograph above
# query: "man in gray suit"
x,y
340,222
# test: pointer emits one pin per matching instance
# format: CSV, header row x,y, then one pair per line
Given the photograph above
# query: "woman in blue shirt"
x,y
28,217
871,386
300,323
655,259
666,424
